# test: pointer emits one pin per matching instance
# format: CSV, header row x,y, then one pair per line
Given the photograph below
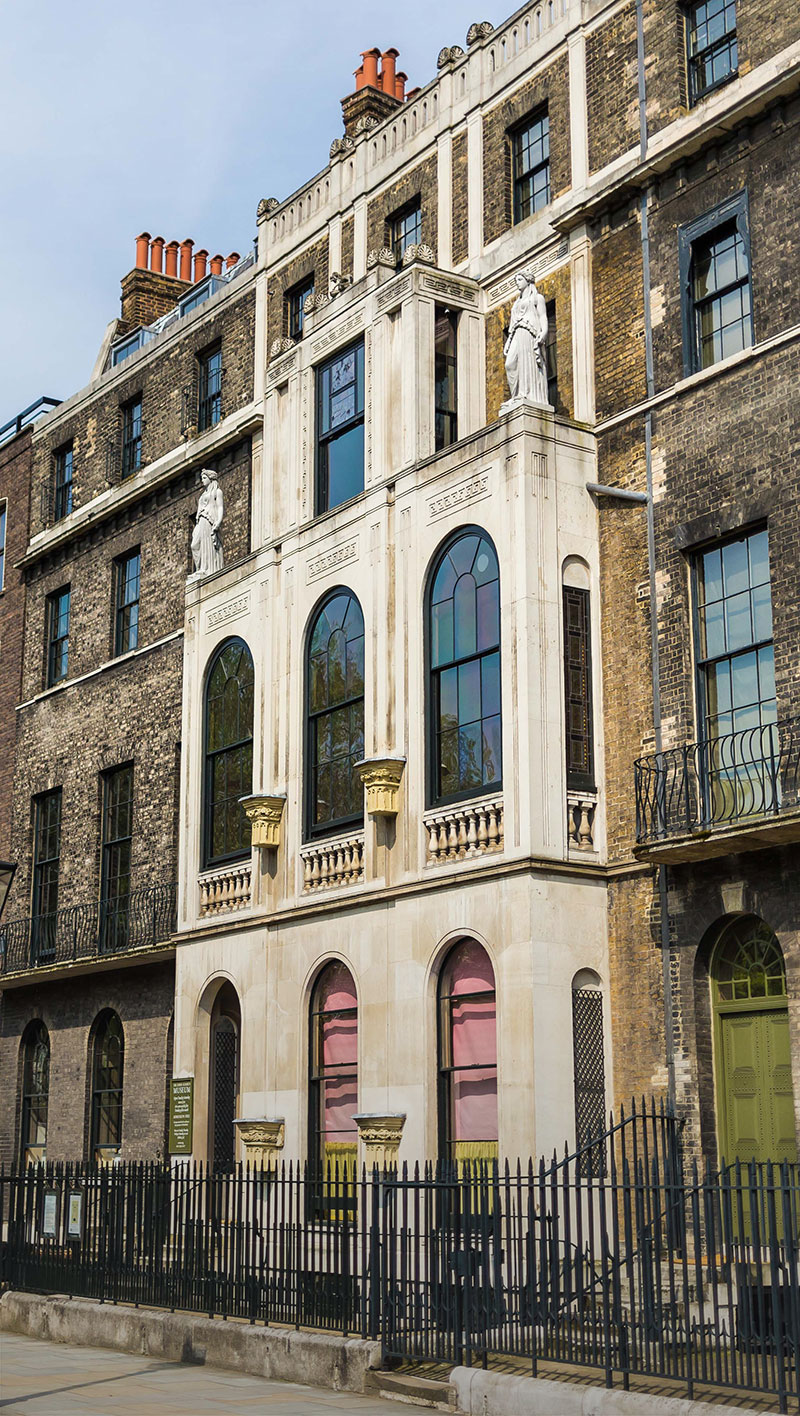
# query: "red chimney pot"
x,y
232,259
157,254
400,81
200,258
142,247
371,57
186,259
216,264
171,253
388,66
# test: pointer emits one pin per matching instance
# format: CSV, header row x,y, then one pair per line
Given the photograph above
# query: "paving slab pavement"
x,y
52,1379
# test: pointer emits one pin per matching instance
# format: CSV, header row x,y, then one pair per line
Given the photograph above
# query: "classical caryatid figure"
x,y
206,544
524,352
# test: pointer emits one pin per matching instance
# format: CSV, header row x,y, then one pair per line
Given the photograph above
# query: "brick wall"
x,y
96,428
143,998
420,182
550,87
619,355
612,94
460,195
314,262
15,484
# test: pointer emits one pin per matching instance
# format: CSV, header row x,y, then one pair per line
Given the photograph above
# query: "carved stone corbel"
x,y
262,1138
267,205
380,777
419,252
264,814
383,257
380,1134
280,346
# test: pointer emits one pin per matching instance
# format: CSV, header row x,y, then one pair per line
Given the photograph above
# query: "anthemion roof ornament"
x,y
448,56
266,205
479,31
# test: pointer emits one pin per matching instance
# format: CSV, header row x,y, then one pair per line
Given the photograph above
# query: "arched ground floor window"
x,y
333,1082
223,1089
107,1063
467,1055
35,1093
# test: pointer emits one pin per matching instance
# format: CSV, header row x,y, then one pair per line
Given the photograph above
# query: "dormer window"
x,y
405,229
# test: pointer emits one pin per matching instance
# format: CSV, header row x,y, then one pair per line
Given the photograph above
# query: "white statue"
x,y
524,351
206,544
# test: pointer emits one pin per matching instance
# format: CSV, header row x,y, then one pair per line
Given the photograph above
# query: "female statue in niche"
x,y
206,544
524,351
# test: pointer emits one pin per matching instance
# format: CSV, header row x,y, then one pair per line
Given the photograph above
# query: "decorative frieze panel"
x,y
329,864
474,489
280,369
339,334
464,832
339,555
232,609
451,289
506,288
226,890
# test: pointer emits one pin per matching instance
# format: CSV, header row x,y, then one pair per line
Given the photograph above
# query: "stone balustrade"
x,y
333,863
462,832
581,807
225,890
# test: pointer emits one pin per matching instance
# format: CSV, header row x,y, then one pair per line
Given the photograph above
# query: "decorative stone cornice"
x,y
264,814
448,56
383,257
339,146
315,301
419,253
380,777
267,205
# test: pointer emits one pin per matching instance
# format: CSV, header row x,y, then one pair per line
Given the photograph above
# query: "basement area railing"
x,y
740,777
142,919
619,1257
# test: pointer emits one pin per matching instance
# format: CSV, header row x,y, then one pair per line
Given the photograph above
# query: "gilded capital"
x,y
262,1138
380,777
380,1135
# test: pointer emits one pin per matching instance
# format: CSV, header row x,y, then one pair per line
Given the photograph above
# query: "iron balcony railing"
x,y
724,781
140,920
28,415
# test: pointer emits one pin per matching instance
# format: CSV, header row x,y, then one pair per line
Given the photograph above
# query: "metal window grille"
x,y
711,47
63,483
209,408
530,155
578,689
126,628
295,306
132,437
589,1078
225,1066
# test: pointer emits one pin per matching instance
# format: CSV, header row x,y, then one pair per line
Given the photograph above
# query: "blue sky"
x,y
173,118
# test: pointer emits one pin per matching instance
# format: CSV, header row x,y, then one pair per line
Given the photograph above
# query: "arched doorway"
x,y
755,1103
223,1081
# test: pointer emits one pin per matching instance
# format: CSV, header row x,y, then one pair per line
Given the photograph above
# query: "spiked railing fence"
x,y
618,1257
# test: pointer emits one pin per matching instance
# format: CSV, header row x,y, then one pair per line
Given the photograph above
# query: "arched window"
x,y
755,1100
335,695
35,1092
226,1022
107,1078
467,1055
465,753
588,1070
229,752
333,1089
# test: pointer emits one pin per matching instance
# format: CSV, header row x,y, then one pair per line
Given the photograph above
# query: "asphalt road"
x,y
50,1379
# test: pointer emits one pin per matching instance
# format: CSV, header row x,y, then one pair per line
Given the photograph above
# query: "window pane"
x,y
442,633
346,466
470,755
490,685
464,608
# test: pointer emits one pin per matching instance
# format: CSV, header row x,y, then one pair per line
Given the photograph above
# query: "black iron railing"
x,y
140,920
720,782
28,415
648,1267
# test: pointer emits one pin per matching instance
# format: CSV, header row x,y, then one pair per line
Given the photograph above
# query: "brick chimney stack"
x,y
147,292
378,91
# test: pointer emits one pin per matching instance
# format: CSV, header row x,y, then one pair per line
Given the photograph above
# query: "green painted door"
x,y
756,1086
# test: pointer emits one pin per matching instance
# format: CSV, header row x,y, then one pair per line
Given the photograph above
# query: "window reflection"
x,y
336,712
